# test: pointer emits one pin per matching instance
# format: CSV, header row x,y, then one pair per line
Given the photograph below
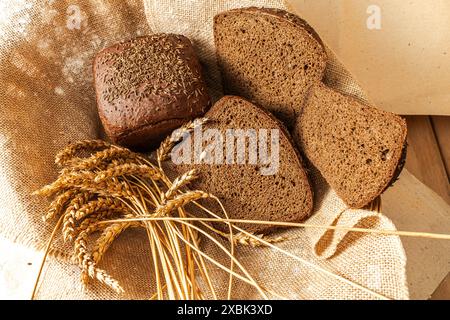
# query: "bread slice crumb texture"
x,y
357,148
244,191
269,57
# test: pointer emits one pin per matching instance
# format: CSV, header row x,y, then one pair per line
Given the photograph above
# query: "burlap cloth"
x,y
47,100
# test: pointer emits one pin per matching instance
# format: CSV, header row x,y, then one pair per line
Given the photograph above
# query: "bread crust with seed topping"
x,y
148,86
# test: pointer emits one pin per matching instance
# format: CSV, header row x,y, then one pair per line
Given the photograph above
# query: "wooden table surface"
x,y
429,160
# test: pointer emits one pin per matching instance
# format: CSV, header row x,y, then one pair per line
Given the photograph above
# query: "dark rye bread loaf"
x,y
245,192
147,87
357,148
270,57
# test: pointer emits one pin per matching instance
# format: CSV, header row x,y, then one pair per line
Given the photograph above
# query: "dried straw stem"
x,y
117,182
428,235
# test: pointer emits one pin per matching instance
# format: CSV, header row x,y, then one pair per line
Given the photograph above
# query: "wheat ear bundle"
x,y
112,182
112,189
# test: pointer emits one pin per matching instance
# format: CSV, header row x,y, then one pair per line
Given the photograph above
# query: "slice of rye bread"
x,y
270,57
357,148
243,190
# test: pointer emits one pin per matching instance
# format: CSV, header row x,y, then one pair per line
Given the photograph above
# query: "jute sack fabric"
x,y
47,100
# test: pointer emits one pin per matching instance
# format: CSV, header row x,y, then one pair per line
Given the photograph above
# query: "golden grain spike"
x,y
69,215
71,150
180,201
254,239
58,204
166,146
178,183
109,234
101,204
129,169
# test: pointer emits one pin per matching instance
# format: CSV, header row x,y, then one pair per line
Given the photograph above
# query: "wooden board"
x,y
414,207
441,125
428,152
429,160
443,291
